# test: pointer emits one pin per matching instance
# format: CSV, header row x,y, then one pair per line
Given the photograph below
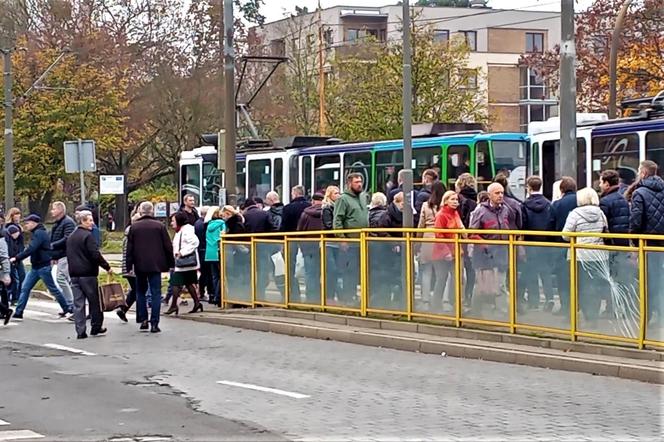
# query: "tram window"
x,y
358,162
581,162
655,149
511,156
210,185
458,162
483,160
241,175
388,165
279,176
260,178
424,159
535,158
191,180
293,174
617,152
327,172
306,174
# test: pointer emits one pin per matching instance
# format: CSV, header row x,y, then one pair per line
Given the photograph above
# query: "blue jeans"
x,y
34,275
18,276
143,282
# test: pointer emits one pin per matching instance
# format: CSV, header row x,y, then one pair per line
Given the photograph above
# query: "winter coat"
x,y
235,226
587,219
39,248
185,242
256,220
149,248
275,212
516,221
311,219
616,209
328,216
488,217
446,218
350,212
215,229
18,242
292,213
192,216
560,209
83,255
125,270
5,265
199,228
375,214
536,211
414,195
59,234
392,218
427,221
647,214
467,203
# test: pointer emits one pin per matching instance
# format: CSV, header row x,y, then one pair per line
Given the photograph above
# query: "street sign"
x,y
111,184
80,156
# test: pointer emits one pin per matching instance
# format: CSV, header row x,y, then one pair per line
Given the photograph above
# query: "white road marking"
x,y
3,422
265,389
19,434
70,349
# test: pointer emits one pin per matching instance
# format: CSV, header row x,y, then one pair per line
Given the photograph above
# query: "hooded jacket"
x,y
311,219
647,214
536,213
39,248
616,209
392,218
587,219
467,203
215,228
276,213
488,217
5,266
350,212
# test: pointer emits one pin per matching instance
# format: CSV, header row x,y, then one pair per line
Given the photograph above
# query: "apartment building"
x,y
497,39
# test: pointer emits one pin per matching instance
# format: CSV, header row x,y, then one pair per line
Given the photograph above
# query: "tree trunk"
x,y
121,217
40,206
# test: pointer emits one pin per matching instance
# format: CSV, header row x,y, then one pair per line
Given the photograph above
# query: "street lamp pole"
x,y
567,91
9,132
407,184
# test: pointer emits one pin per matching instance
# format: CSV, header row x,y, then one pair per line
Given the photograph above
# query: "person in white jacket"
x,y
187,262
592,282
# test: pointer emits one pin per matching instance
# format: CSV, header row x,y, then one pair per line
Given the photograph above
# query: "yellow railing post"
x,y
458,276
222,273
409,278
286,273
323,276
643,293
363,273
253,268
573,288
512,282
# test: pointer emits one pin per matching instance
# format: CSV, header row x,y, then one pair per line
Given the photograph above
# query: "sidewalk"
x,y
604,360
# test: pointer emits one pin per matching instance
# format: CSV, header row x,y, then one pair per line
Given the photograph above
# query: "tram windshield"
x,y
510,156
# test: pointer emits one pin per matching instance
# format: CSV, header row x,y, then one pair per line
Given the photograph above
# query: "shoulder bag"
x,y
185,261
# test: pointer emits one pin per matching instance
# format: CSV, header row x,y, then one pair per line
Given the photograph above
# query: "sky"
x,y
276,9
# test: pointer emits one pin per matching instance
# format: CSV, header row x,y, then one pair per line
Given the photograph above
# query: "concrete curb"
x,y
647,371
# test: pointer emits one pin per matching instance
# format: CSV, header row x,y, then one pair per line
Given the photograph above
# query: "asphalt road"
x,y
197,381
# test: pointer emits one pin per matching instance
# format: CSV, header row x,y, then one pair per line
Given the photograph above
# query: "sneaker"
x,y
8,316
101,331
70,317
82,336
144,325
18,316
155,329
121,314
63,314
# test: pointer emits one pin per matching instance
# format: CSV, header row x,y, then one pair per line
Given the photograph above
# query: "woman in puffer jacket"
x,y
588,217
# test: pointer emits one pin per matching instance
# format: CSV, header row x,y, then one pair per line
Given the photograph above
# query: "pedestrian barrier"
x,y
565,286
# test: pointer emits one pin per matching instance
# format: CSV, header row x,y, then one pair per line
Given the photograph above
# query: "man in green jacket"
x,y
350,212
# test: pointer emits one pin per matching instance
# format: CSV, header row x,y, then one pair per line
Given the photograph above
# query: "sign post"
x,y
80,157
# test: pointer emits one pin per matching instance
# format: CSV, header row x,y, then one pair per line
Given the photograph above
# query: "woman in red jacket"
x,y
443,253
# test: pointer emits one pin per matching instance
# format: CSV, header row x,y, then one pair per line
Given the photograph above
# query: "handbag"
x,y
184,261
111,295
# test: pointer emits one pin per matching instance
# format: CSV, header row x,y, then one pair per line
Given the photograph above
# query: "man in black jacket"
x,y
188,207
39,251
84,261
63,227
614,205
293,211
276,210
149,253
257,220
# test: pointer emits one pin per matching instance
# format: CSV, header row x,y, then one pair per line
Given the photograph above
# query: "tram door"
x,y
550,172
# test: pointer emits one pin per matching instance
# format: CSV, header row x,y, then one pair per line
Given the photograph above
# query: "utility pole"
x,y
229,104
9,132
613,60
407,184
567,91
321,75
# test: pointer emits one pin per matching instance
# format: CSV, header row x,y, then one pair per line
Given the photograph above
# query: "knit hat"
x,y
13,229
34,218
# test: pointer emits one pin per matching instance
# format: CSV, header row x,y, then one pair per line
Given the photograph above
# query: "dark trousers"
x,y
591,287
312,273
205,282
349,267
470,278
537,267
145,282
293,283
4,304
17,275
215,275
86,288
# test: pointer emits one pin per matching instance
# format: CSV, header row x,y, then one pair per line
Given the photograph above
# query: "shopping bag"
x,y
487,283
111,295
279,266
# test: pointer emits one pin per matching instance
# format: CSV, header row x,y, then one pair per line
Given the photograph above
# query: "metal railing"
x,y
602,292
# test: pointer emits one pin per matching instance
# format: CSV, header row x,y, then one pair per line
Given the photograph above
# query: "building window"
x,y
352,35
278,47
327,38
441,36
529,112
470,78
532,86
471,39
534,42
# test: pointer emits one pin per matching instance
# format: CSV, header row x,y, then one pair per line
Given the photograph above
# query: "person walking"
x,y
350,212
5,278
312,220
425,256
536,211
185,252
84,259
128,273
63,227
466,188
647,217
16,244
39,251
588,217
215,228
149,253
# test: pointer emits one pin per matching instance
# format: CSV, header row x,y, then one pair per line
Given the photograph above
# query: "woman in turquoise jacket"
x,y
215,228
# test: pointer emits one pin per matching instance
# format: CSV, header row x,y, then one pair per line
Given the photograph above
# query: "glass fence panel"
x,y
387,275
435,290
543,286
304,272
489,277
237,266
342,273
608,292
270,272
655,296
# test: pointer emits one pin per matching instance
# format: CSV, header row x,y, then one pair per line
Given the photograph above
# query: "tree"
x,y
364,98
640,68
